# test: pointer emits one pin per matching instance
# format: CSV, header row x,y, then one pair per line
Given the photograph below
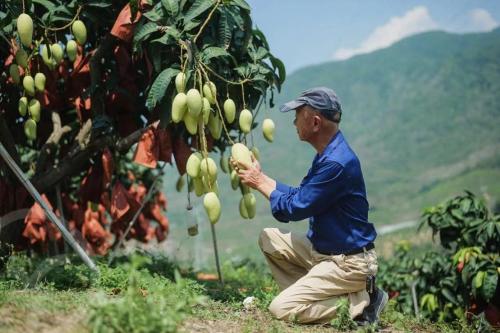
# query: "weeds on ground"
x,y
342,320
149,304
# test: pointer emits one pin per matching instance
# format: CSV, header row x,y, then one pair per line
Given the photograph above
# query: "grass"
x,y
146,293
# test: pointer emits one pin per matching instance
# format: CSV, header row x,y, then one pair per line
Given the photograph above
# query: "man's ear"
x,y
317,122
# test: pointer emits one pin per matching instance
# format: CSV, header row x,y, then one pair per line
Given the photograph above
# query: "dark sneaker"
x,y
371,314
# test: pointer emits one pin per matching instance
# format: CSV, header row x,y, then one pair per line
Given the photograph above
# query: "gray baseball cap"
x,y
323,99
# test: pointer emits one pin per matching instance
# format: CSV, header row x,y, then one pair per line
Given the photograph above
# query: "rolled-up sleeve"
x,y
313,197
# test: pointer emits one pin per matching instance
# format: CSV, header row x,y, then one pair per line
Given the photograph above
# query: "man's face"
x,y
303,123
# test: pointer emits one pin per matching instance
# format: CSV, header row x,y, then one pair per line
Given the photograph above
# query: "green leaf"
x,y
45,3
213,52
242,4
155,14
144,31
99,4
171,6
198,8
225,29
191,25
490,281
170,36
277,63
160,85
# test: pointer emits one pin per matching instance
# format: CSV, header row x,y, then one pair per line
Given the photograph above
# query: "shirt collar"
x,y
334,142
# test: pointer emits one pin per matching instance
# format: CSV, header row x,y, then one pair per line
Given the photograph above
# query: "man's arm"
x,y
298,203
313,197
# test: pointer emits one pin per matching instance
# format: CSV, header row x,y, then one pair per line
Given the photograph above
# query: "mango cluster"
x,y
51,55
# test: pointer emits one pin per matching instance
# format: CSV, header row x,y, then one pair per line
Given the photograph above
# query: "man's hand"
x,y
252,176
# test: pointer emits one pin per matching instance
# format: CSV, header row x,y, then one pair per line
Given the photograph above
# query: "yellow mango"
x,y
71,50
30,129
240,153
194,102
29,85
206,110
215,126
268,129
179,107
40,82
245,121
180,82
193,165
250,204
256,153
79,31
191,123
34,109
25,29
210,91
212,207
208,168
229,110
235,180
57,52
23,106
243,209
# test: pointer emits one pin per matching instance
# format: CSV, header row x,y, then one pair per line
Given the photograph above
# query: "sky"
x,y
305,32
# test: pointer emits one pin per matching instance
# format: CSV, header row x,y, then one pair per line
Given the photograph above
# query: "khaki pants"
x,y
311,283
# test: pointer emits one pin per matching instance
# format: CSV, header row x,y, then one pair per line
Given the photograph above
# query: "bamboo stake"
x,y
50,214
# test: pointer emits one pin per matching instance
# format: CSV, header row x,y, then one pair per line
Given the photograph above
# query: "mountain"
x,y
422,115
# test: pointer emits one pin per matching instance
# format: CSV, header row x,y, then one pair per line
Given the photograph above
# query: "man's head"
x,y
317,113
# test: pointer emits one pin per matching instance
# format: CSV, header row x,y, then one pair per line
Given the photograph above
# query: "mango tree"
x,y
96,97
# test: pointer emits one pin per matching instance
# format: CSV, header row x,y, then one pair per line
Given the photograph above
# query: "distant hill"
x,y
423,116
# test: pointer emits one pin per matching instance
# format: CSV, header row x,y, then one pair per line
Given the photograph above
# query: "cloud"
x,y
414,21
481,20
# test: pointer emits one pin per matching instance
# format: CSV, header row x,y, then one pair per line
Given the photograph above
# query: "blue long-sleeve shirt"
x,y
333,196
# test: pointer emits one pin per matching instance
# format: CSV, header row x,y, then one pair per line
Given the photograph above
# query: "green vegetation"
x,y
146,293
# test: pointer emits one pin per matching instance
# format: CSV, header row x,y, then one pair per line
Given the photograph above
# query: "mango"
x,y
46,57
193,165
206,110
57,52
198,186
245,121
210,185
22,58
191,123
79,31
194,102
23,106
179,185
34,109
268,129
215,126
235,180
212,207
25,29
256,153
30,129
240,153
224,164
208,168
250,204
180,82
243,209
29,85
71,50
179,107
14,73
210,91
229,110
40,82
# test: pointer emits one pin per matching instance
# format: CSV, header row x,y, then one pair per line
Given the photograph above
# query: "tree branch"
x,y
48,151
79,161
